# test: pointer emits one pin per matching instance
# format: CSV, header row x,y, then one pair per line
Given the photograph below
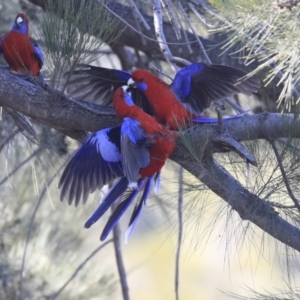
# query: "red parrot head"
x,y
21,23
141,79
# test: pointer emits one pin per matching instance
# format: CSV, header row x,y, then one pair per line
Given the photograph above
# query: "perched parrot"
x,y
136,151
22,53
193,90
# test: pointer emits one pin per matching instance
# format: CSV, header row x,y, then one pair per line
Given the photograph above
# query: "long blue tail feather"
x,y
138,209
119,211
116,191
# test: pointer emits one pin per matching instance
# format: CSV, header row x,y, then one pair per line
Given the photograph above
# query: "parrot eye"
x,y
140,80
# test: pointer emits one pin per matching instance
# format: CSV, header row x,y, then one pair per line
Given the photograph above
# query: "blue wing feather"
x,y
95,164
38,53
134,148
181,84
196,86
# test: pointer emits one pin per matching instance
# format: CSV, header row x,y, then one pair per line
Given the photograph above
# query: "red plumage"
x,y
19,52
162,139
167,109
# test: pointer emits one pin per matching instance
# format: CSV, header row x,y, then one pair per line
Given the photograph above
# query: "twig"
x,y
158,26
23,124
79,268
35,153
141,33
284,177
184,31
119,259
138,14
48,183
180,231
169,8
10,137
200,17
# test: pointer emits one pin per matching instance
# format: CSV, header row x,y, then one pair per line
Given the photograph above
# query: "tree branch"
x,y
58,111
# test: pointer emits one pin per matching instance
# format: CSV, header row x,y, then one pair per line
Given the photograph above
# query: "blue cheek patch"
x,y
141,86
128,100
23,29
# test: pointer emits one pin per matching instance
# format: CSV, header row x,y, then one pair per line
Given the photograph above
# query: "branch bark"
x,y
58,111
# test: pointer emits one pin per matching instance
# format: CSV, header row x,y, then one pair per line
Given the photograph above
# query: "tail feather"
x,y
138,209
116,191
119,211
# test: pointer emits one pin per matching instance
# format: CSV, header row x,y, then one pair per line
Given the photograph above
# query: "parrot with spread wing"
x,y
135,152
193,90
22,53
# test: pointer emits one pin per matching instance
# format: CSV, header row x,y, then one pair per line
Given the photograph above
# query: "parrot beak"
x,y
19,22
131,83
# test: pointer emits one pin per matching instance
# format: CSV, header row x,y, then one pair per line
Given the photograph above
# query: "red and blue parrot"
x,y
193,90
135,152
22,53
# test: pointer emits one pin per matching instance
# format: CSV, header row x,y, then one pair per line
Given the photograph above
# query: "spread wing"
x,y
97,85
95,164
198,85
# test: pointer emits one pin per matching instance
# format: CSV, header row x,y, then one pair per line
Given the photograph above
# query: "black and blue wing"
x,y
199,84
96,163
97,85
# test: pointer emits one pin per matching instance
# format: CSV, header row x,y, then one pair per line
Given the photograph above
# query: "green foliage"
x,y
74,31
262,31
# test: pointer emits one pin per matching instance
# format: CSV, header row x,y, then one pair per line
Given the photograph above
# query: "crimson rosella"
x,y
193,90
136,151
22,53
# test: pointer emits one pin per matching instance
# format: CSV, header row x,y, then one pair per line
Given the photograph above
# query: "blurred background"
x,y
45,251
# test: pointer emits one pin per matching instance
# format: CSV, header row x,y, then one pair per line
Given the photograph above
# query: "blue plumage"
x,y
120,209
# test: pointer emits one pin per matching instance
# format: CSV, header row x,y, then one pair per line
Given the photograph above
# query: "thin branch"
x,y
9,138
79,268
33,154
200,17
119,259
169,8
284,177
49,182
158,25
138,14
249,206
180,231
184,31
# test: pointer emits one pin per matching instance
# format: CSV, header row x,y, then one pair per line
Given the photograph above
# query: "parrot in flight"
x,y
22,53
193,90
134,152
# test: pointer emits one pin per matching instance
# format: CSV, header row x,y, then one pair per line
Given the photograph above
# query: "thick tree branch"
x,y
247,205
60,112
149,45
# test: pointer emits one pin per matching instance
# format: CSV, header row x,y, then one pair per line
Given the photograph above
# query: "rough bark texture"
x,y
58,111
